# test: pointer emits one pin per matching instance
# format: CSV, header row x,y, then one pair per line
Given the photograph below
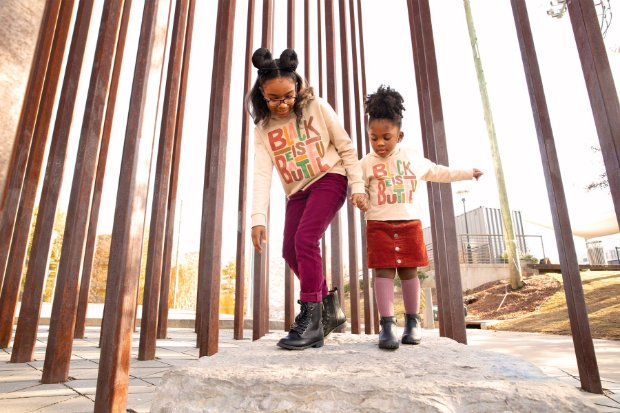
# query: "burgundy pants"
x,y
308,214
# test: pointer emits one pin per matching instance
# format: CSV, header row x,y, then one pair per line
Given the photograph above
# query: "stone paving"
x,y
21,390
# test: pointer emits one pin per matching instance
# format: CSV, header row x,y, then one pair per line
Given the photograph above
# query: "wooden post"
x,y
162,319
349,120
243,182
26,332
91,235
289,281
62,321
429,317
21,224
360,133
126,248
577,311
209,266
447,270
260,309
332,90
159,209
601,89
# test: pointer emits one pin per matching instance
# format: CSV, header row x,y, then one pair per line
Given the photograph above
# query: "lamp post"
x,y
463,193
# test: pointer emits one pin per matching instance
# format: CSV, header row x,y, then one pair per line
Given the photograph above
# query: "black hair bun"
x,y
385,103
288,60
261,59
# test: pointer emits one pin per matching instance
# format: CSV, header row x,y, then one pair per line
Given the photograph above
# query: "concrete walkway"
x,y
21,390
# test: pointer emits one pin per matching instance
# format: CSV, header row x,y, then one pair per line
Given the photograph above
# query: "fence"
x,y
491,249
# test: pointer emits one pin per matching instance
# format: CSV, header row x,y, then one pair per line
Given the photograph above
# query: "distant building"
x,y
480,237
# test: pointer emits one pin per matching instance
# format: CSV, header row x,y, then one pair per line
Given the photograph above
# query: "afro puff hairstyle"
x,y
385,103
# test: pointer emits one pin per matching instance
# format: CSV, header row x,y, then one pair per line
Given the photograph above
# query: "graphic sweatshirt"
x,y
391,182
302,151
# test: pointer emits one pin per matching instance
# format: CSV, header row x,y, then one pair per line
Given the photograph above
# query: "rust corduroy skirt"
x,y
393,244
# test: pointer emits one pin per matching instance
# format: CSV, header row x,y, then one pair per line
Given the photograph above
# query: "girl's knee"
x,y
408,273
385,273
305,243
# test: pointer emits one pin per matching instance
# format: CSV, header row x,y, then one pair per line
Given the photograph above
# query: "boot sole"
x,y
289,347
410,341
389,346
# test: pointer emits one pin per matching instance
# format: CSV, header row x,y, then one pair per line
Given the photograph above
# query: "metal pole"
x,y
516,281
467,233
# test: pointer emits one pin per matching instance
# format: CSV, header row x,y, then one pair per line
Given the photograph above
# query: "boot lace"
x,y
302,320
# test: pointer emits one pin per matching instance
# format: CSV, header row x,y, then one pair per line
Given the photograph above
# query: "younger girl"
x,y
302,137
393,227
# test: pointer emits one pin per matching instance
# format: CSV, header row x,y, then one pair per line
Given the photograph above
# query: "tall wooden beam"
x,y
307,58
349,120
62,321
162,319
372,314
360,133
447,270
40,72
159,209
319,20
26,332
601,89
319,30
289,276
243,180
260,302
577,311
18,243
126,247
93,220
332,92
209,266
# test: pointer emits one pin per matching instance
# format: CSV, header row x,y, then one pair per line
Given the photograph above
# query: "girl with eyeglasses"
x,y
300,134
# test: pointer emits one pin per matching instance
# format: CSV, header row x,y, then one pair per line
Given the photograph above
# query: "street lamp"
x,y
462,193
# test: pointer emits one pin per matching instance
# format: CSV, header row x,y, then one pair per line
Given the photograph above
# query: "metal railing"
x,y
491,249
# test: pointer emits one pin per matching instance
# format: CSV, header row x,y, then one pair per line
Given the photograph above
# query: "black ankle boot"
x,y
413,329
387,336
307,330
333,316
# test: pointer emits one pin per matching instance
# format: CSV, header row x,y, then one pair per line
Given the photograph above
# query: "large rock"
x,y
19,28
350,374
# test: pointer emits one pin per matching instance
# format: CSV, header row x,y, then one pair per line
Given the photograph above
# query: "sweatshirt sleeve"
x,y
432,172
344,146
263,169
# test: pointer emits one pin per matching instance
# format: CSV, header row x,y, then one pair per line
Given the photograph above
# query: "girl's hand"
x,y
259,236
360,201
477,173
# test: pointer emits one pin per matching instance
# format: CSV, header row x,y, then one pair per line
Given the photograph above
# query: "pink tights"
x,y
384,290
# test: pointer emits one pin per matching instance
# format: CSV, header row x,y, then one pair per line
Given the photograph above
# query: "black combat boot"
x,y
413,329
387,336
307,330
333,316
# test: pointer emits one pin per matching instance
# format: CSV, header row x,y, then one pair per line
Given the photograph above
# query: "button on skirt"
x,y
392,244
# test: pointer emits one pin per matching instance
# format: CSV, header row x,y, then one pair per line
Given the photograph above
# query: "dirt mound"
x,y
497,301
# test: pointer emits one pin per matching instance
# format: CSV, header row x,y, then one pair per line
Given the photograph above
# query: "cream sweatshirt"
x,y
391,182
302,152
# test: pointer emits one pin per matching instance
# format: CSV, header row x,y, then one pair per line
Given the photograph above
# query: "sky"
x,y
389,61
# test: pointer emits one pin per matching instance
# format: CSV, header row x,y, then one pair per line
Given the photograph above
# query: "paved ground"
x,y
21,390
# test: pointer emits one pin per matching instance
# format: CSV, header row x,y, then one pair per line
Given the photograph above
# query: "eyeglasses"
x,y
274,103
